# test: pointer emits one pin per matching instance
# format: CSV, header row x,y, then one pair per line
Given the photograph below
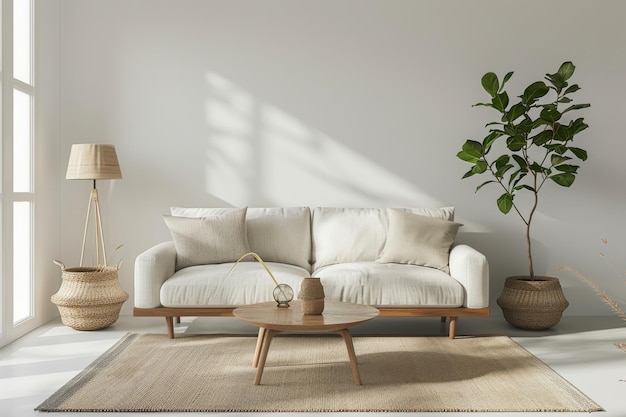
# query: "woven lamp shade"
x,y
93,162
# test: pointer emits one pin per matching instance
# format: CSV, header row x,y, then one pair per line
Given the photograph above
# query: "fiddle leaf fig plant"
x,y
530,143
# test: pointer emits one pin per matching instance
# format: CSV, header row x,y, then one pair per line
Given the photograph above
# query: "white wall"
x,y
336,103
47,161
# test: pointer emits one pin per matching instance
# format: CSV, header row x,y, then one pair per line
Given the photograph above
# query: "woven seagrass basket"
x,y
532,305
90,297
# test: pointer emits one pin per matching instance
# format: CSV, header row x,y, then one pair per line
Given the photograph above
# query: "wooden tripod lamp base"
x,y
93,162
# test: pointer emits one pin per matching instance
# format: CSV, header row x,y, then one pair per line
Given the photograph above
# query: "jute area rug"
x,y
146,372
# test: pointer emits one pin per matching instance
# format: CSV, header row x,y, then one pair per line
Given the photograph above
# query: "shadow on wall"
x,y
260,155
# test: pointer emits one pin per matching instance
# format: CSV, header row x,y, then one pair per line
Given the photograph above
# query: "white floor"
x,y
581,349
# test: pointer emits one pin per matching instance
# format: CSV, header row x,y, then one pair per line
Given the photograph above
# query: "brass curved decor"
x,y
282,294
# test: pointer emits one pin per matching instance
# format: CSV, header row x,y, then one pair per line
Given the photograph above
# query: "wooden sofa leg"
x,y
177,319
443,319
453,321
169,321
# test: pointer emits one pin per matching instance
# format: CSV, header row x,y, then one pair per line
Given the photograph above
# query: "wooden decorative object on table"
x,y
312,296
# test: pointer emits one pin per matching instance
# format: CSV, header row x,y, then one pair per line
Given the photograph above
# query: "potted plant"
x,y
529,144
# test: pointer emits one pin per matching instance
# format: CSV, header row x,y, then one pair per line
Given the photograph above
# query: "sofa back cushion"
x,y
277,234
356,234
210,239
418,240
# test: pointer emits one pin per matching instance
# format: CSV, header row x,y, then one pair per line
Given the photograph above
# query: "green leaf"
x,y
500,101
525,186
515,143
577,126
521,162
505,202
506,78
473,148
558,159
490,139
550,115
557,148
579,153
534,92
490,83
564,179
567,168
502,161
483,184
468,174
540,122
572,89
467,157
542,137
525,126
515,112
515,178
480,167
576,107
563,133
557,81
566,70
494,124
503,170
535,167
509,129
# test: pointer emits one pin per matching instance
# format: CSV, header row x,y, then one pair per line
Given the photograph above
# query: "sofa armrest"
x,y
152,268
471,269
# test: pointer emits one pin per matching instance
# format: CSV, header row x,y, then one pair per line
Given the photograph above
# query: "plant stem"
x,y
528,221
531,268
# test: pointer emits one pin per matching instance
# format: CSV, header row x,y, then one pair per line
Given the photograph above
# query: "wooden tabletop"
x,y
336,316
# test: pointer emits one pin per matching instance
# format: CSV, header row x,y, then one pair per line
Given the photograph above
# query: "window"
x,y
17,168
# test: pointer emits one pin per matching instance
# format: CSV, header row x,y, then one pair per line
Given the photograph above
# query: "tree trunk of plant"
x,y
531,269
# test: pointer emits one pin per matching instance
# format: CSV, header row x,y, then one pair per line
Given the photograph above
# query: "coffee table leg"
x,y
267,339
355,369
259,345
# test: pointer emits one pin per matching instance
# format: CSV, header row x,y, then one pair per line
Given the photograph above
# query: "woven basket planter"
x,y
532,305
90,297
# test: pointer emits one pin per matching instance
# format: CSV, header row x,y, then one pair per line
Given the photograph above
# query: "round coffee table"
x,y
337,317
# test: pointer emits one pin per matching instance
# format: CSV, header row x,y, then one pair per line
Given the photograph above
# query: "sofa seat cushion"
x,y
209,285
390,285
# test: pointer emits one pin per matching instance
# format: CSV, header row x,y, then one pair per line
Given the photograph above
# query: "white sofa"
x,y
402,261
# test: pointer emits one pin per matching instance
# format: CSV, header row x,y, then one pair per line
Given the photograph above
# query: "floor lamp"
x,y
93,162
